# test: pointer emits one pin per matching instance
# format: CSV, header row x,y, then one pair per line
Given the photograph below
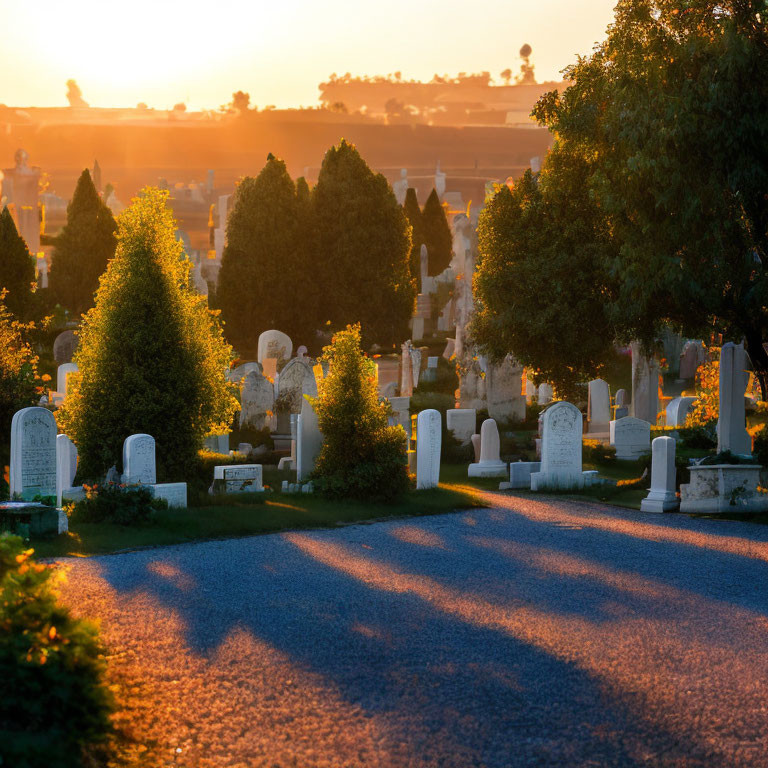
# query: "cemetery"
x,y
388,465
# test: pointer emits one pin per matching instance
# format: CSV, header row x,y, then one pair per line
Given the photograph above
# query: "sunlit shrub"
x,y
117,503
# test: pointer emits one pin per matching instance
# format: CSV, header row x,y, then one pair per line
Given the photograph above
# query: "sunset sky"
x,y
166,51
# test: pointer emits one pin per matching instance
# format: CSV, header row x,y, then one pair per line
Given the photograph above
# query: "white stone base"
x,y
660,501
174,493
723,489
543,481
487,469
520,474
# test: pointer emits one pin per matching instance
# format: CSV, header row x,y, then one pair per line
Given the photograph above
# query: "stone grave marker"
x,y
662,496
275,345
732,432
599,407
677,411
309,441
428,444
462,422
257,401
560,449
62,374
490,464
64,347
66,465
630,437
33,453
504,390
139,460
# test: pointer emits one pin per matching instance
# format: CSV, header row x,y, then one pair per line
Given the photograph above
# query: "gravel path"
x,y
533,633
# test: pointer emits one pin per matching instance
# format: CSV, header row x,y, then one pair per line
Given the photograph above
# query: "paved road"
x,y
533,633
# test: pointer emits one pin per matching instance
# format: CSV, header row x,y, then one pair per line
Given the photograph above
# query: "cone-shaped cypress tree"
x,y
363,246
17,267
266,270
414,216
437,234
85,245
151,355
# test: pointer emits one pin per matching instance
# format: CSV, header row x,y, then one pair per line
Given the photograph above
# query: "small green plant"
x,y
55,705
117,503
597,452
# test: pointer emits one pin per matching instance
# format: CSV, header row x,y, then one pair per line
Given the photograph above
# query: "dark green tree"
x,y
86,243
17,267
414,216
151,355
362,456
364,244
267,270
437,234
671,111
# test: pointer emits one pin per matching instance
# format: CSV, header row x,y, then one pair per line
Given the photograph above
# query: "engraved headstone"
x,y
504,390
428,445
560,448
274,344
545,393
62,374
630,437
732,432
64,347
678,410
257,401
139,459
645,385
66,465
239,478
33,453
296,380
599,407
662,496
174,493
462,422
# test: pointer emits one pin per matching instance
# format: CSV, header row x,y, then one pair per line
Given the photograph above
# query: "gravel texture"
x,y
533,633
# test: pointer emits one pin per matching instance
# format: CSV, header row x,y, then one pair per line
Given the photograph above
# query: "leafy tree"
x,y
362,456
267,270
241,101
672,112
17,267
539,286
414,216
437,234
55,704
362,235
151,355
85,245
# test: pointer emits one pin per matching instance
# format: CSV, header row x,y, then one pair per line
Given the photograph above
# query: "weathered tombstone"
x,y
520,475
62,374
462,422
432,362
645,385
269,368
217,443
678,410
238,478
296,380
428,449
692,356
662,496
599,407
732,433
545,394
530,391
64,347
476,446
274,344
406,370
415,365
174,493
388,370
490,464
66,465
139,460
450,348
309,441
33,453
560,449
401,407
504,391
257,401
630,437
622,398
242,370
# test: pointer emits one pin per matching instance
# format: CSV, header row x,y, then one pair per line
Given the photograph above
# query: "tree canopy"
x,y
85,245
414,216
17,267
151,355
437,234
267,269
364,246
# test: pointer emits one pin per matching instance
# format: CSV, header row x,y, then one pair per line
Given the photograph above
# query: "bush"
x,y
362,456
446,380
119,504
760,446
55,704
700,436
597,452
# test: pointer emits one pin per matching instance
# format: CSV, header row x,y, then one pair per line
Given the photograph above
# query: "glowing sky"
x,y
166,51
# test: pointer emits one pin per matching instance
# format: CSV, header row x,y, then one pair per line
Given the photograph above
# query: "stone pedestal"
x,y
490,465
662,496
723,489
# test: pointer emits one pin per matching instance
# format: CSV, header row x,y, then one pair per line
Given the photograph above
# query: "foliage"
x,y
17,267
117,503
437,234
362,456
760,446
86,243
362,234
699,436
539,290
54,701
267,269
414,216
18,376
707,408
597,452
671,112
445,381
151,355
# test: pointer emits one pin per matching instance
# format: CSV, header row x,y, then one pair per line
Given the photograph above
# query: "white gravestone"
x,y
476,446
560,449
62,374
545,394
462,422
309,441
66,465
239,373
504,390
645,385
520,475
64,347
630,437
174,493
432,362
731,426
428,443
678,410
692,356
274,344
33,453
599,407
239,478
257,401
662,496
139,459
490,464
